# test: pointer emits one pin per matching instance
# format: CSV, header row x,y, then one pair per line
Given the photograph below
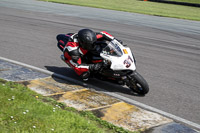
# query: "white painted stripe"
x,y
176,118
43,71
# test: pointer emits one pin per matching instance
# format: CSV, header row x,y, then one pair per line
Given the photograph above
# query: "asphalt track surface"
x,y
167,50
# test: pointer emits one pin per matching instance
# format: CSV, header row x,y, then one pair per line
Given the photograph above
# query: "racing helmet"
x,y
86,38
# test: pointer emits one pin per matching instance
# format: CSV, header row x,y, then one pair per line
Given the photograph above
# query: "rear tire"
x,y
138,84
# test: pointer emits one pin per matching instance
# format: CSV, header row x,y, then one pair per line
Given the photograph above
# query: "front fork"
x,y
129,81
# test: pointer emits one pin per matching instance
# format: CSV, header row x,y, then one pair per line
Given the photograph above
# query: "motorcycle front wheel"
x,y
138,84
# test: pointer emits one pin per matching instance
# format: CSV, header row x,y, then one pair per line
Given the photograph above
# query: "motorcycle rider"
x,y
76,45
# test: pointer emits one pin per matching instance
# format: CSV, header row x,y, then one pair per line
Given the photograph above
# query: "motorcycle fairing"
x,y
119,60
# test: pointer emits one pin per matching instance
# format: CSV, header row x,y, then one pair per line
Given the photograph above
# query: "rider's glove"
x,y
95,67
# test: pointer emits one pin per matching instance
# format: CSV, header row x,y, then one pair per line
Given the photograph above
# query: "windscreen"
x,y
112,49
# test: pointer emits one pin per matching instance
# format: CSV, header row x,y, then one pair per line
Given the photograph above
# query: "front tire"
x,y
138,84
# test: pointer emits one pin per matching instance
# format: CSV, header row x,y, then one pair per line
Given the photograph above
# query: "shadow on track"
x,y
99,84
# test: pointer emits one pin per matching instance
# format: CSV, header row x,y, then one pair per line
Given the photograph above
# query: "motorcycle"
x,y
119,65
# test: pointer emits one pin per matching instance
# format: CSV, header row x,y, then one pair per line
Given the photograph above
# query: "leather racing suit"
x,y
72,51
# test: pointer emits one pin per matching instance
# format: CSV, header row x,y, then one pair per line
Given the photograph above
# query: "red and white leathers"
x,y
73,52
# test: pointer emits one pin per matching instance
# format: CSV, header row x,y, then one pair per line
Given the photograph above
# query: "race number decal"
x,y
128,62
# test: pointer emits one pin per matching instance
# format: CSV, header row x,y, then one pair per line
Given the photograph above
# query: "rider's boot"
x,y
85,76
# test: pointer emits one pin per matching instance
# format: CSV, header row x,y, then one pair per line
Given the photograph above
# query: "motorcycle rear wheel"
x,y
138,84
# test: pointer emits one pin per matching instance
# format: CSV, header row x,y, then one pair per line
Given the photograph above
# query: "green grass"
x,y
24,111
137,6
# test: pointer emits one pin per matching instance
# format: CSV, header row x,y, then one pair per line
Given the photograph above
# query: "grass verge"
x,y
23,110
139,6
